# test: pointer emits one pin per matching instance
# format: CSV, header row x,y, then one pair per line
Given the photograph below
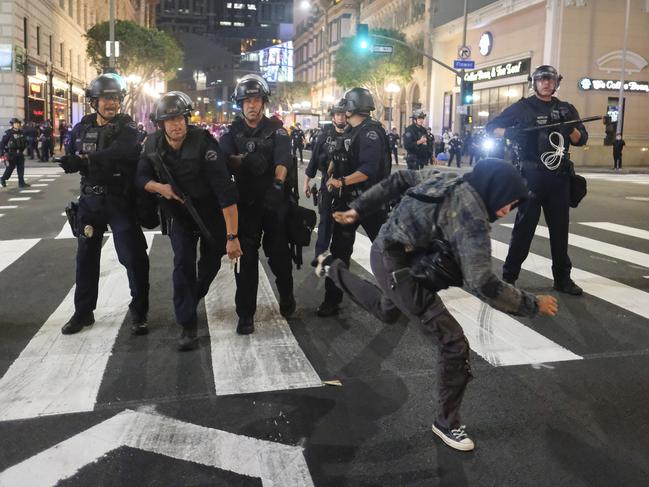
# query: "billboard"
x,y
276,62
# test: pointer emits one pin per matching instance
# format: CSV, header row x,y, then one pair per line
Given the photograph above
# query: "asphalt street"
x,y
343,401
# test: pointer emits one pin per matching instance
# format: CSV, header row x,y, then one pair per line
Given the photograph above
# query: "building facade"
x,y
44,69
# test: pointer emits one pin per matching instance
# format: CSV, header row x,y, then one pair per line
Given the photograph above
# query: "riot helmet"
x,y
15,120
105,85
418,114
541,72
359,100
338,107
171,105
249,86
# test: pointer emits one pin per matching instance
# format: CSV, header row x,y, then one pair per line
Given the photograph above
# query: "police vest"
x,y
422,152
16,142
188,170
258,150
93,138
385,165
537,142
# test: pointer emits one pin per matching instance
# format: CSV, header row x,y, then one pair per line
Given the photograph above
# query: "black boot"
x,y
139,325
3,183
287,306
24,185
327,309
568,286
188,338
76,323
246,326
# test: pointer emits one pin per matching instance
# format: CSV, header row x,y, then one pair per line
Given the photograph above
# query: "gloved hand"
x,y
274,195
72,163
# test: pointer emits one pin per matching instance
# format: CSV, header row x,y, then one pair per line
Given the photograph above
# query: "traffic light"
x,y
466,92
362,37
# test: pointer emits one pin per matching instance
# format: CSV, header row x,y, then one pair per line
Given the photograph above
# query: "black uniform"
x,y
618,146
455,151
107,198
328,143
13,144
297,140
550,189
393,139
31,138
418,154
46,134
368,153
200,171
265,147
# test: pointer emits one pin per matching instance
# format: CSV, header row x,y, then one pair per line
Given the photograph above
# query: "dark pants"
x,y
617,160
551,192
32,148
342,246
395,153
326,222
100,211
457,156
299,148
190,288
387,303
46,150
261,227
413,163
16,161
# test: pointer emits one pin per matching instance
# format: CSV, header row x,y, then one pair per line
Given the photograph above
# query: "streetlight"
x,y
391,88
305,5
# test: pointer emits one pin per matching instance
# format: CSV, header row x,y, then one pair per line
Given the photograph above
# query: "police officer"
x,y
13,144
297,140
259,156
367,163
199,177
543,158
46,134
104,149
416,142
455,150
328,145
393,139
141,133
437,206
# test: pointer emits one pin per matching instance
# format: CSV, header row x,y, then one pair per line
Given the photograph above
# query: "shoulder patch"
x,y
372,135
281,131
132,125
211,155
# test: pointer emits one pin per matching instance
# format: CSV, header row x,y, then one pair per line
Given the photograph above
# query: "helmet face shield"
x,y
249,86
171,105
544,72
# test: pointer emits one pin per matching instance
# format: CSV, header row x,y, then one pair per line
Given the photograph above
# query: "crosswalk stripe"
x,y
8,207
623,229
66,231
618,178
24,198
49,180
57,374
610,250
12,250
495,336
30,190
267,360
39,185
637,198
626,297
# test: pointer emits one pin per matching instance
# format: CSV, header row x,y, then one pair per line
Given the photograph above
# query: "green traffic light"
x,y
364,44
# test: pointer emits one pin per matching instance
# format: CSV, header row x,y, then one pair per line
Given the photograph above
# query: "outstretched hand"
x,y
346,217
547,305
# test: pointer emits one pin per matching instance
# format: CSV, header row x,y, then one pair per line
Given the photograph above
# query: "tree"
x,y
355,67
144,54
291,92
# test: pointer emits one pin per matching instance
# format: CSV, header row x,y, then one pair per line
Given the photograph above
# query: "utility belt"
x,y
102,189
564,168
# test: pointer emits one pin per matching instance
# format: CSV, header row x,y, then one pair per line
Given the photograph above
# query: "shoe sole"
x,y
140,331
187,348
245,331
75,332
568,293
453,444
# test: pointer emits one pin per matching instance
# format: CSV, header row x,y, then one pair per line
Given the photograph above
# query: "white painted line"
x,y
637,198
22,198
57,374
40,185
8,207
66,231
30,190
270,359
12,250
614,292
63,214
1,215
47,180
610,250
618,178
495,336
623,229
274,463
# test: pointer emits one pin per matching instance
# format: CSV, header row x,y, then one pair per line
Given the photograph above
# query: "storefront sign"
x,y
590,84
499,71
486,43
34,89
6,59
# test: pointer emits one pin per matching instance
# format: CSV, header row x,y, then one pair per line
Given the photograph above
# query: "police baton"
x,y
561,124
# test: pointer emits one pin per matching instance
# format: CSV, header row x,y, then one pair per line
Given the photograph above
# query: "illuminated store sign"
x,y
590,84
499,71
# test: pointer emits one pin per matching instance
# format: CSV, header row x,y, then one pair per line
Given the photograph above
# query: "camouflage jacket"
x,y
463,222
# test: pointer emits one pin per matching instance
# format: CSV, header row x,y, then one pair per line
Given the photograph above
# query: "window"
x,y
70,52
51,49
38,40
71,8
61,54
25,33
62,4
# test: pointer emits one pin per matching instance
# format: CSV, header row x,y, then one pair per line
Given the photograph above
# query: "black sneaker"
x,y
455,438
324,261
24,185
76,323
3,183
246,326
509,280
287,306
188,339
568,286
327,309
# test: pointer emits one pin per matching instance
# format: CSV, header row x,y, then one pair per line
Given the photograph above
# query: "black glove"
x,y
274,195
72,163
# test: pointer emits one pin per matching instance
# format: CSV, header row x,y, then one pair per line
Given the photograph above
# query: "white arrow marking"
x,y
275,464
269,359
57,373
